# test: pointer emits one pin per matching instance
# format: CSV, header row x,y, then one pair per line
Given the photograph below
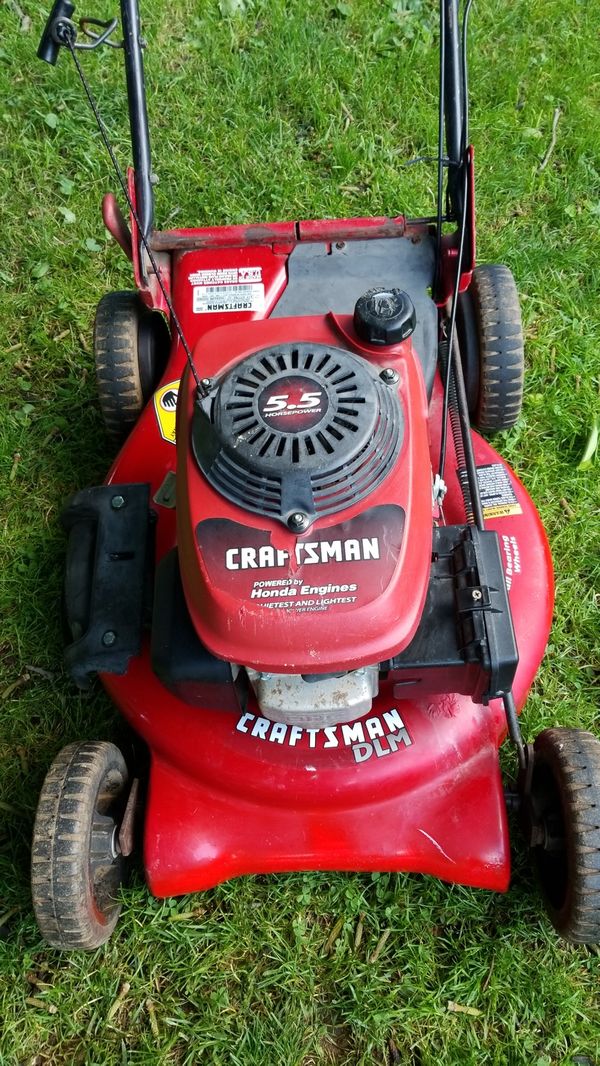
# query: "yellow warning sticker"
x,y
165,406
502,512
497,492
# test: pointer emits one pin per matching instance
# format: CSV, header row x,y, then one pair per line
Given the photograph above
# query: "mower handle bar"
x,y
62,12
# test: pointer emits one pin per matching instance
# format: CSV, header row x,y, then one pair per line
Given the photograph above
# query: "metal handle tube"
x,y
454,103
138,114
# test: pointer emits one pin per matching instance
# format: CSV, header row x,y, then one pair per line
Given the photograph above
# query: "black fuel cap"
x,y
384,316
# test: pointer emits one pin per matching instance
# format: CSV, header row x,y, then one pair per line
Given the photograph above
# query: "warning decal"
x,y
226,276
165,407
497,494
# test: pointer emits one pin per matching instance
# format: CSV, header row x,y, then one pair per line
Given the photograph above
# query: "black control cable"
x,y
447,370
66,33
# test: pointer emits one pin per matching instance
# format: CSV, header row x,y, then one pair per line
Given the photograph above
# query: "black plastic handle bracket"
x,y
59,17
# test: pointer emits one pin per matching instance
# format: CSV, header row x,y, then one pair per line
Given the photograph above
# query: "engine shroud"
x,y
298,428
346,588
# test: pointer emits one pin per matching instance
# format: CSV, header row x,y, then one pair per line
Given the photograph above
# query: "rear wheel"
x,y
76,864
565,807
490,337
131,346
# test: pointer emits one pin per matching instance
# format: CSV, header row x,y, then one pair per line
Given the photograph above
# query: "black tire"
x,y
131,346
565,797
490,337
76,868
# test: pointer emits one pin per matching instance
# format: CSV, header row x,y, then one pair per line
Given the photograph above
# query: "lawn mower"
x,y
312,589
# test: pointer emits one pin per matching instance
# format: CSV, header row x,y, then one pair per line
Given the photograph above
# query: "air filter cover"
x,y
303,429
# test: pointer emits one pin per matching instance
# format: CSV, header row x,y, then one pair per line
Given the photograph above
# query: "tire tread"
x,y
60,846
496,307
574,757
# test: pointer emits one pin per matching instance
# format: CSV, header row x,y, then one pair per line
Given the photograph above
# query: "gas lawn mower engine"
x,y
297,545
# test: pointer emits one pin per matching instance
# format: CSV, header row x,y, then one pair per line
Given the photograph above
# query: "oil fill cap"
x,y
384,316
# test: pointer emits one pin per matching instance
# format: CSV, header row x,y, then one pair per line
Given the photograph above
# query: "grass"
x,y
303,109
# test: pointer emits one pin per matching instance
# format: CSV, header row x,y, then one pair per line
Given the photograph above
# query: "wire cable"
x,y
461,245
440,155
66,33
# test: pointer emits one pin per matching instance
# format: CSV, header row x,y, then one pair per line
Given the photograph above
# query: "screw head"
x,y
109,638
206,383
476,594
117,503
298,521
389,375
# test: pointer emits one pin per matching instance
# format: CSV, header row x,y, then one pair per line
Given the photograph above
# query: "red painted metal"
x,y
450,244
145,279
241,236
115,223
416,784
353,229
283,233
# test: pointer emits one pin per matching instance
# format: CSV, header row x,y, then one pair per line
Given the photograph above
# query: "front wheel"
x,y
565,816
76,864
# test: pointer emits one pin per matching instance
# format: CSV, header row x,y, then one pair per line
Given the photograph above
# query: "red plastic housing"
x,y
384,587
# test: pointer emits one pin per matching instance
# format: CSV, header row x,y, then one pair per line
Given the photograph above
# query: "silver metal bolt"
x,y
389,375
298,521
476,594
206,383
117,503
109,638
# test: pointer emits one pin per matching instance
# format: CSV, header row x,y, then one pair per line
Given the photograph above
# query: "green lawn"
x,y
268,110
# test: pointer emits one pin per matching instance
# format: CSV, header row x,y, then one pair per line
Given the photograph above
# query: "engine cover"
x,y
298,430
304,497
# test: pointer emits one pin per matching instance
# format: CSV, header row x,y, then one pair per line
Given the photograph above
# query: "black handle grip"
x,y
49,46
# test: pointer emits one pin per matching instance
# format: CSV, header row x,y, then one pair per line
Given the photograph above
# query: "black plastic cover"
x,y
306,429
465,638
484,618
179,657
109,557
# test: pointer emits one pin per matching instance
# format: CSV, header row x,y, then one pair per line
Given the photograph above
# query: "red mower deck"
x,y
411,787
312,589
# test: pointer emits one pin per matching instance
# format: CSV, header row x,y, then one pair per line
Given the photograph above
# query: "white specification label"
x,y
212,299
226,276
